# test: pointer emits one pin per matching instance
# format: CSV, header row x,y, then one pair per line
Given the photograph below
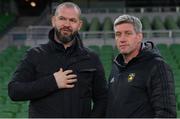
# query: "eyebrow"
x,y
66,17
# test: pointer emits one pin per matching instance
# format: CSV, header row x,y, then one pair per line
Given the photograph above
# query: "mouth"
x,y
66,31
122,46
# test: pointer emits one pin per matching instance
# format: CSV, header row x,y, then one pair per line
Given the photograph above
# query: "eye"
x,y
118,34
73,20
129,33
62,18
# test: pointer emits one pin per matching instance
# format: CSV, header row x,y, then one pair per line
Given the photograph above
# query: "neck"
x,y
68,44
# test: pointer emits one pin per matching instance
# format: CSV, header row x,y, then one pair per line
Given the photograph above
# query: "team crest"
x,y
131,77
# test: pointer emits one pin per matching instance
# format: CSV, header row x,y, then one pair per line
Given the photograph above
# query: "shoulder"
x,y
35,53
161,64
159,60
37,50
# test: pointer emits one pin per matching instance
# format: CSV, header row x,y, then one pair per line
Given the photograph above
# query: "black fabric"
x,y
142,88
33,81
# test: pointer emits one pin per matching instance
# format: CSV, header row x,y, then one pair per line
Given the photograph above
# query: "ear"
x,y
53,21
139,37
80,24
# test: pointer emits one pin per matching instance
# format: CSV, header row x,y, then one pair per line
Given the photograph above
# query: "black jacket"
x,y
142,88
33,80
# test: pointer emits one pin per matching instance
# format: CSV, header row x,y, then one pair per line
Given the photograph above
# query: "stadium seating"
x,y
5,21
95,24
146,23
10,57
155,26
171,54
95,48
106,56
157,23
170,23
178,21
107,26
85,24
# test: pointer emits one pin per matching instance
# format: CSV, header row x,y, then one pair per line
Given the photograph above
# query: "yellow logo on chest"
x,y
131,77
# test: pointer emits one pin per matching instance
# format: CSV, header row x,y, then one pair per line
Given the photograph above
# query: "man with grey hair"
x,y
141,84
61,78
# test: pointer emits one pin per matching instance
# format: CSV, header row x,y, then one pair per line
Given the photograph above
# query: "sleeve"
x,y
162,91
99,91
24,85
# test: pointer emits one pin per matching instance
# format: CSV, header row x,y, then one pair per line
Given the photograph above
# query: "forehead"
x,y
68,11
124,27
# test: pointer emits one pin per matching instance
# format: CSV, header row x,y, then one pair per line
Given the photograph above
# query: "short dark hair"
x,y
68,5
129,19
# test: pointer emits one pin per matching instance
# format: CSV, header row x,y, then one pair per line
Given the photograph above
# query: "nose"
x,y
67,23
121,38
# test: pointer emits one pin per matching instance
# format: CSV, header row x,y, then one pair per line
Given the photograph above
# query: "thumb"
x,y
61,70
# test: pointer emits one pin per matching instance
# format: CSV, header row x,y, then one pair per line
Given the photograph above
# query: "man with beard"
x,y
61,78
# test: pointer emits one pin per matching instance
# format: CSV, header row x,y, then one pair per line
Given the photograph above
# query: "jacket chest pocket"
x,y
43,70
137,86
85,80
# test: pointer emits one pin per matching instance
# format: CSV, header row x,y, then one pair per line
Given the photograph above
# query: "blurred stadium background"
x,y
25,23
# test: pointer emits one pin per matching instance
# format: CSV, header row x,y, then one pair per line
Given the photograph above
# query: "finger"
x,y
71,76
68,72
60,70
71,81
70,86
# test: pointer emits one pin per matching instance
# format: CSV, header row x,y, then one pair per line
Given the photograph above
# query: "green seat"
x,y
95,48
157,24
170,23
12,108
6,115
146,25
115,52
106,56
108,28
178,21
22,115
177,92
5,20
2,100
178,114
85,25
95,26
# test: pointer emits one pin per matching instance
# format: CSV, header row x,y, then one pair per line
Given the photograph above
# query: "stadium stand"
x,y
85,26
97,33
5,21
9,58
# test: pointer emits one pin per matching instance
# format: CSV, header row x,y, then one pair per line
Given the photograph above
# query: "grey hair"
x,y
68,5
129,19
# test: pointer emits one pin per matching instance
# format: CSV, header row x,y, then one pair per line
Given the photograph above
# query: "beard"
x,y
65,38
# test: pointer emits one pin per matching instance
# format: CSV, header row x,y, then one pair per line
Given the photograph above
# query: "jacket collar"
x,y
76,49
147,51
